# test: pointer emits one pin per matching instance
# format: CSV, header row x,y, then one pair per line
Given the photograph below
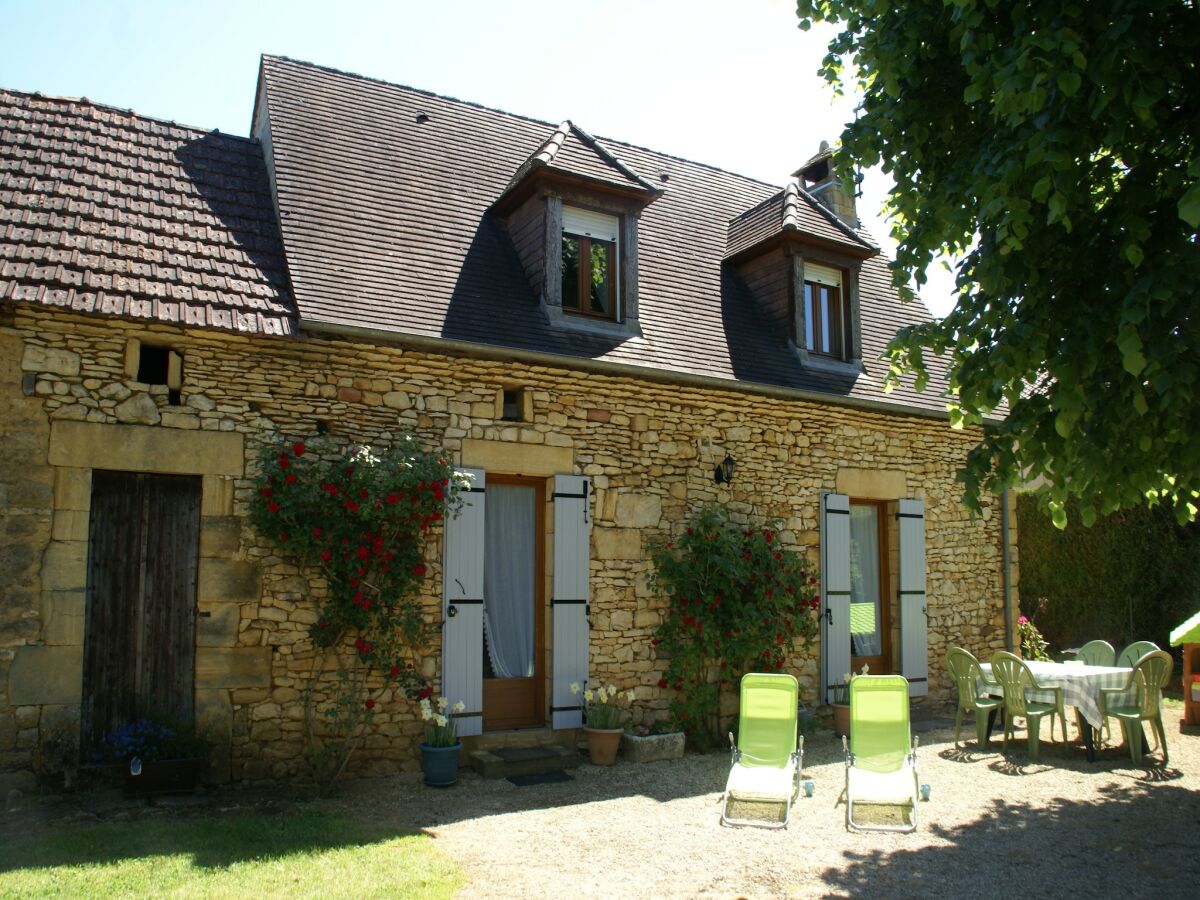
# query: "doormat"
x,y
540,778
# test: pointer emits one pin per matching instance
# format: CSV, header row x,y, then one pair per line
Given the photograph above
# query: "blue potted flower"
x,y
154,756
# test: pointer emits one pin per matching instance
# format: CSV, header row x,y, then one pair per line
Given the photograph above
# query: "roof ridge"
x,y
133,114
612,158
513,115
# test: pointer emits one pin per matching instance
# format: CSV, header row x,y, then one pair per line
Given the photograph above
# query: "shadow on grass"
x,y
209,842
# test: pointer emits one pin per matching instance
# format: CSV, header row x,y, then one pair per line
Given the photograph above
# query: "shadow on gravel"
x,y
1134,843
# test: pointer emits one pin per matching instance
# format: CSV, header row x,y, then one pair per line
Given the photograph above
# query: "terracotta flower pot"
x,y
841,719
603,744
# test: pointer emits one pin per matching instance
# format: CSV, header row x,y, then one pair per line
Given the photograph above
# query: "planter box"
x,y
652,747
166,776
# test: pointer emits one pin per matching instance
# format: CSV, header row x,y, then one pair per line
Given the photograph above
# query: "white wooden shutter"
x,y
822,275
462,607
835,589
569,602
914,637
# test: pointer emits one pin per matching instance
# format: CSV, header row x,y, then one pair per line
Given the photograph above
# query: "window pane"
x,y
601,275
826,318
570,272
809,312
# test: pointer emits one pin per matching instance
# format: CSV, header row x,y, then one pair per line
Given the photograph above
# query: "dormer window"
x,y
589,263
824,316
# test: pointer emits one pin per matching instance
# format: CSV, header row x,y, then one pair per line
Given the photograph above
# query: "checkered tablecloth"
x,y
1081,685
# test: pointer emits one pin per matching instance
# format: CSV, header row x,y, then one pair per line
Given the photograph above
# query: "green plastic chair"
x,y
1149,676
1097,653
1135,651
1016,679
976,693
881,755
768,755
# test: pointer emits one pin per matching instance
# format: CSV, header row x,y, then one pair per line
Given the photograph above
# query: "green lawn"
x,y
283,856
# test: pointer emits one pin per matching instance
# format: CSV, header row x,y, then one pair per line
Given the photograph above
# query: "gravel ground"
x,y
993,827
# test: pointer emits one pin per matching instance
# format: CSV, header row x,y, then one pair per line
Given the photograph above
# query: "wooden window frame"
x,y
583,285
813,319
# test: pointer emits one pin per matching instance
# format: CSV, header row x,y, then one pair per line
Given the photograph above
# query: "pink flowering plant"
x,y
359,516
737,601
1033,645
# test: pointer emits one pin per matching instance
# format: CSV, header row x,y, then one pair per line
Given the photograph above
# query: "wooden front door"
x,y
513,601
139,646
870,622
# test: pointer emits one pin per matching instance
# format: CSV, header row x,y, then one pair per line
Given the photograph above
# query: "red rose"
x,y
363,494
662,683
419,570
394,671
290,479
298,448
267,492
425,693
316,532
283,538
362,552
326,555
369,703
352,506
392,499
273,506
283,460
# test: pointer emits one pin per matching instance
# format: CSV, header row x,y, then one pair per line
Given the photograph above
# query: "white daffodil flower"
x,y
459,706
587,696
441,721
574,687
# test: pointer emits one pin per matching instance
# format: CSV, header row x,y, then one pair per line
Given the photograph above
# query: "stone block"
x,y
45,359
139,448
226,580
652,747
616,543
517,459
214,722
397,400
638,510
73,488
219,628
41,675
216,496
140,409
220,535
70,525
64,566
236,667
872,484
63,617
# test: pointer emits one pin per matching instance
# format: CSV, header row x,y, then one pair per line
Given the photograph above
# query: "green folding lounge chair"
x,y
1012,673
881,756
1150,675
976,694
1135,651
768,755
1097,653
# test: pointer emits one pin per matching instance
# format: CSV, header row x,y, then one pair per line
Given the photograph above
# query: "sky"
x,y
731,83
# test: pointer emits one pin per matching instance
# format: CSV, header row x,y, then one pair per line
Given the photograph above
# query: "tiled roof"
x,y
573,151
103,211
386,224
793,210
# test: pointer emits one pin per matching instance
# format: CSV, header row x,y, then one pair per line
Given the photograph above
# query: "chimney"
x,y
817,177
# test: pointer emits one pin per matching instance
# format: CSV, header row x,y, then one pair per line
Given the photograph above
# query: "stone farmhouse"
x,y
597,331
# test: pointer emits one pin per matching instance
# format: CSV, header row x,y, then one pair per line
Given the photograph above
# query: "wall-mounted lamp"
x,y
723,473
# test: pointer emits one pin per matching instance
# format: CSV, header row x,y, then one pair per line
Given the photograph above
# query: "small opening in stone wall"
x,y
512,405
322,427
153,364
174,398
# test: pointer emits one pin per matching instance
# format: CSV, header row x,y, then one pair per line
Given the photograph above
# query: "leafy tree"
x,y
1053,147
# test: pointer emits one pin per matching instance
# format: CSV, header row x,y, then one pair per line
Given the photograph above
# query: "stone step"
x,y
501,762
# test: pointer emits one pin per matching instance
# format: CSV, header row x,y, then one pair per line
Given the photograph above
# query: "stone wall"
x,y
70,403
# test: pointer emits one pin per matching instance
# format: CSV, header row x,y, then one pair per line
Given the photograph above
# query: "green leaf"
x,y
1189,206
1134,254
1069,82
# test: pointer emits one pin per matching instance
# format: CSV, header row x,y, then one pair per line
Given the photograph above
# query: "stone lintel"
x,y
142,448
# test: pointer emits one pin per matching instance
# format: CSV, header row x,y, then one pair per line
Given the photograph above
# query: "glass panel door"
x,y
869,635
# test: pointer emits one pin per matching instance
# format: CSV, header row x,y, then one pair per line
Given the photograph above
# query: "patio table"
x,y
1081,686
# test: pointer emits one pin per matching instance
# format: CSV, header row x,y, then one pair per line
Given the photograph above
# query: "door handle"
x,y
828,616
452,611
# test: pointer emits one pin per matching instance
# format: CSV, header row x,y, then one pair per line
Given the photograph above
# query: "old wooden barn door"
x,y
139,642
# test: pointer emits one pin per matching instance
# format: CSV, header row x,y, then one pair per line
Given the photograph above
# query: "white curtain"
x,y
865,637
508,579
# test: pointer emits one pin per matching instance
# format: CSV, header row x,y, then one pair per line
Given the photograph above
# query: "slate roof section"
x,y
386,226
572,151
793,210
103,211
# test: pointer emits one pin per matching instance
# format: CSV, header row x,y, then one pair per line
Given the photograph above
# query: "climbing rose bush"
x,y
360,516
737,601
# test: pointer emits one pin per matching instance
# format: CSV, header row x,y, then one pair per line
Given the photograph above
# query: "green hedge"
x,y
1134,575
